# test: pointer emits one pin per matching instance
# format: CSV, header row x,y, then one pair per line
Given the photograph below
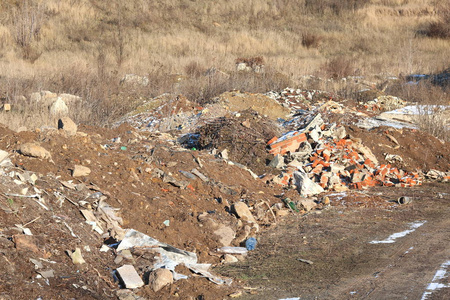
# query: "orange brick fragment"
x,y
272,140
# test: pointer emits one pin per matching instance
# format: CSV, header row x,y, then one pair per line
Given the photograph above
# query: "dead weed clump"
x,y
339,67
310,40
440,28
434,120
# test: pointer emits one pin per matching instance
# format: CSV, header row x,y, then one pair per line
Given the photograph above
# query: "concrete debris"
x,y
130,277
336,163
305,186
59,108
229,259
226,235
79,171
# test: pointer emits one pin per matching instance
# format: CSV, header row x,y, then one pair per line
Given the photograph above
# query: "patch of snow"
x,y
434,285
418,109
393,237
407,251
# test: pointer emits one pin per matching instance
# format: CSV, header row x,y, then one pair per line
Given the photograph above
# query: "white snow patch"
x,y
418,109
434,285
393,237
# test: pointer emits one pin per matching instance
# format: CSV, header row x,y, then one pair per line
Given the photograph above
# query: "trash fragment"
x,y
250,244
47,273
404,200
290,204
233,250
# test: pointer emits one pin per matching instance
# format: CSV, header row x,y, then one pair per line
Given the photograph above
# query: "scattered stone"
x,y
226,235
135,80
242,211
224,154
160,278
79,171
277,162
6,107
130,277
47,274
34,150
229,259
67,125
25,243
235,294
307,204
76,257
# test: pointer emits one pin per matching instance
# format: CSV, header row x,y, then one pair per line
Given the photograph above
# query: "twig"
x,y
34,220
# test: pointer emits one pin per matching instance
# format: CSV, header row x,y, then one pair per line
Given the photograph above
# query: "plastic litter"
x,y
250,243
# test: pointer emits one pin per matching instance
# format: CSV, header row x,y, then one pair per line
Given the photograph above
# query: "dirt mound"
x,y
264,105
418,150
146,177
244,136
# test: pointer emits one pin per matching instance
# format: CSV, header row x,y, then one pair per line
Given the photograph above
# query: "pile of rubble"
x,y
321,157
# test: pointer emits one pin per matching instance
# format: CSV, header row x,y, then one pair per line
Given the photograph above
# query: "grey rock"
x,y
277,162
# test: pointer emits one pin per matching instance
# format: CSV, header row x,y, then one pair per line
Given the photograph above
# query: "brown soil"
x,y
345,265
419,150
126,166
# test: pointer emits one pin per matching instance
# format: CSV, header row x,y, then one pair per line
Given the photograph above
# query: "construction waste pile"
x,y
147,209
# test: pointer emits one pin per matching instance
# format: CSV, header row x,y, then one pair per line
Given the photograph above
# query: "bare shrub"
x,y
310,40
251,62
440,28
28,19
334,6
339,67
204,89
434,119
422,92
194,69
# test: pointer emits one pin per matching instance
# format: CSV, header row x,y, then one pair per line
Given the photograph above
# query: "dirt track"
x,y
345,264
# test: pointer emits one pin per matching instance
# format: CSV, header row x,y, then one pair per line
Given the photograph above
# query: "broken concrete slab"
x,y
305,186
79,171
130,277
307,204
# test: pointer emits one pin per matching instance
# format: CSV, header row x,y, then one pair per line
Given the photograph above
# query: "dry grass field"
x,y
84,47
